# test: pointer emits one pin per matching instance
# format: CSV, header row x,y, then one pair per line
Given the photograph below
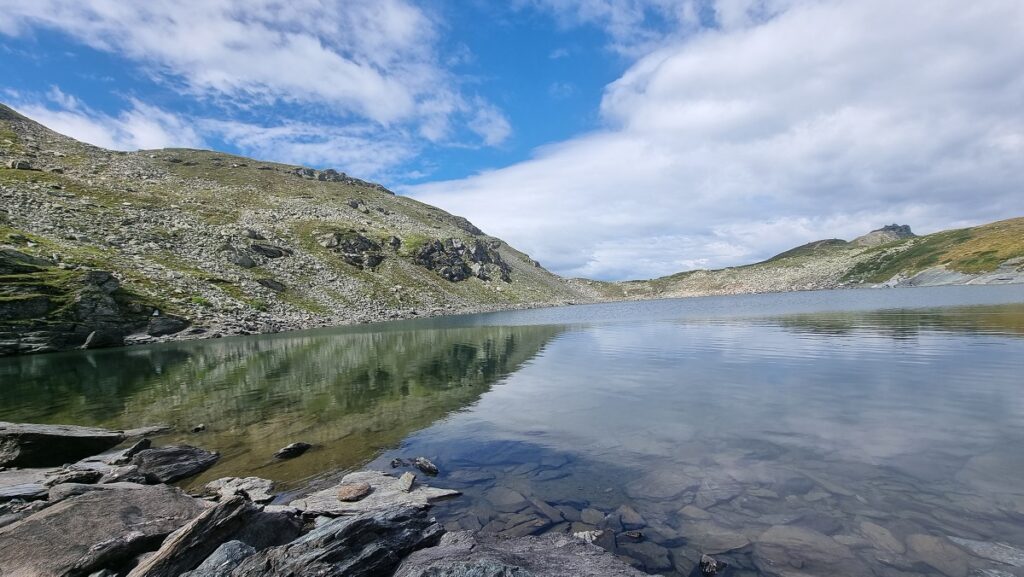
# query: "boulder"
x,y
96,530
464,554
386,492
19,165
274,285
368,544
269,250
30,445
173,463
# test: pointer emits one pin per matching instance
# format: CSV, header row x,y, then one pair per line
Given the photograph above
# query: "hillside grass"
x,y
969,250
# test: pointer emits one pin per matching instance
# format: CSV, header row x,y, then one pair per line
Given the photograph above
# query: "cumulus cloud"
x,y
360,149
141,126
367,59
787,122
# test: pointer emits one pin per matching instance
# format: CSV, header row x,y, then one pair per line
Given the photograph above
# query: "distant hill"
x,y
890,256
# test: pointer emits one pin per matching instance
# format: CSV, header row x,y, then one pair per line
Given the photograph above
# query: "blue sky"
x,y
608,138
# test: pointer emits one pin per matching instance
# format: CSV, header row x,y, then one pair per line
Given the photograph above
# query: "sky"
x,y
609,139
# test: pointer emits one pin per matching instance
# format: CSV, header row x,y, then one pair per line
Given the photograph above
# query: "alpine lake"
x,y
856,432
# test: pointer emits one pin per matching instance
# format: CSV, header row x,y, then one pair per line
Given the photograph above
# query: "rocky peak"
x,y
886,234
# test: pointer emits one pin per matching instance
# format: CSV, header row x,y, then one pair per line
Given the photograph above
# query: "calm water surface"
x,y
821,433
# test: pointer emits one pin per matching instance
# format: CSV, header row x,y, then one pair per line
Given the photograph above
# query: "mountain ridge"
x,y
101,248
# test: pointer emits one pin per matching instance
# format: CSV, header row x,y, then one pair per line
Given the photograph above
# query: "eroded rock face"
x,y
95,530
49,309
353,248
465,554
456,261
29,445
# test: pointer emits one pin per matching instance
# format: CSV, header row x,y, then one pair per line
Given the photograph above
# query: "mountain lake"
x,y
855,432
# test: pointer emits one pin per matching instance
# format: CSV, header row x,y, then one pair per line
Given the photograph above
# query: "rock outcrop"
x,y
44,307
455,260
884,235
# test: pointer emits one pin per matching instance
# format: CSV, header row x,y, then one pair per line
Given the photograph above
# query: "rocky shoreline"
x,y
78,501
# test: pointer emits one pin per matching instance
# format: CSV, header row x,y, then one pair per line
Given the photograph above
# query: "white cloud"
x,y
369,59
357,150
793,121
142,126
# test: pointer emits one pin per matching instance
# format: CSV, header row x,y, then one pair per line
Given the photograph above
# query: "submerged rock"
x,y
1000,552
31,445
293,450
463,554
424,464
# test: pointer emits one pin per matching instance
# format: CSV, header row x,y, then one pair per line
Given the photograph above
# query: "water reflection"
x,y
843,433
351,394
784,439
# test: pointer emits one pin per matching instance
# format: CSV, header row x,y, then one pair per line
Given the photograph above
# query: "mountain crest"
x,y
886,234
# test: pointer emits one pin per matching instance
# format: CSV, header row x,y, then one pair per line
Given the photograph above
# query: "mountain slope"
x,y
228,245
100,248
890,256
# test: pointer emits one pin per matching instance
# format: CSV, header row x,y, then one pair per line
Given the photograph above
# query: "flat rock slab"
x,y
23,483
258,490
464,553
173,463
385,493
90,531
30,445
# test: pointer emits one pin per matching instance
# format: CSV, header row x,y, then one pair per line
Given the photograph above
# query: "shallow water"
x,y
821,433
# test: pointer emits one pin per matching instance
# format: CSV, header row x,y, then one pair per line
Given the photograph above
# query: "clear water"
x,y
819,433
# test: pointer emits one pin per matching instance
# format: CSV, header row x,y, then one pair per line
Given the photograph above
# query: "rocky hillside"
x,y
99,247
890,256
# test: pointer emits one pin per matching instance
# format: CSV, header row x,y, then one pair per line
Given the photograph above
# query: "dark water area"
x,y
868,432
